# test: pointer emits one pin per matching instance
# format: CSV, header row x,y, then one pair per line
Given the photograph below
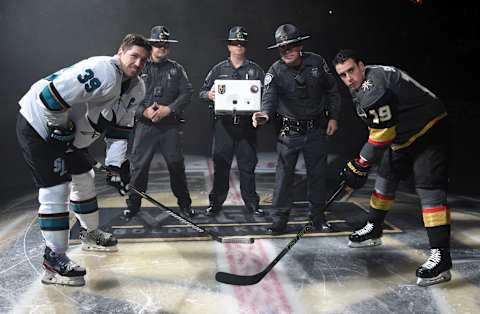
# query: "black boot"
x,y
321,225
254,209
278,227
436,269
133,207
187,210
129,213
213,210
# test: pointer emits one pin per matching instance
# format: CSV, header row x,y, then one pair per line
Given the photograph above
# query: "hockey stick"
x,y
169,211
246,280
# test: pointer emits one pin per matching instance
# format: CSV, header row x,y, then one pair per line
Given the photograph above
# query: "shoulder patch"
x,y
268,79
173,71
325,67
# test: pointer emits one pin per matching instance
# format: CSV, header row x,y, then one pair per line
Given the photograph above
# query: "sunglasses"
x,y
237,43
161,45
289,47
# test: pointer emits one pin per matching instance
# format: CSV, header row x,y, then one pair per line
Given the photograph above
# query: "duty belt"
x,y
299,126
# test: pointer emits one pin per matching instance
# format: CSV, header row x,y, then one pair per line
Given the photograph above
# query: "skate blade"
x,y
442,277
366,243
99,248
52,278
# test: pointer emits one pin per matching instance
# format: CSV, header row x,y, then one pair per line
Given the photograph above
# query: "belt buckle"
x,y
236,120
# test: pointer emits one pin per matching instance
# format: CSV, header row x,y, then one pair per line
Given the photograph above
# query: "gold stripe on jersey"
x,y
381,202
437,216
382,137
427,127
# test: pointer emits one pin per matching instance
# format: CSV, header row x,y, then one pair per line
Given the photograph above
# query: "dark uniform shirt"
x,y
167,84
301,93
395,107
224,70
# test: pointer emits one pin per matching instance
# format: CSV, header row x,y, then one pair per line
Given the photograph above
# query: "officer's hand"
x,y
61,137
161,112
211,95
119,177
150,111
356,173
332,127
259,118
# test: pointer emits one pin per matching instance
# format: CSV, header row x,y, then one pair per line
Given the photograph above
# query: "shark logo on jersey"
x,y
366,85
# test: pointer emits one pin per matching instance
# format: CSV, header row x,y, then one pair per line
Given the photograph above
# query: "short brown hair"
x,y
135,40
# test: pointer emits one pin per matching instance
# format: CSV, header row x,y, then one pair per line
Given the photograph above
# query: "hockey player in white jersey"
x,y
60,117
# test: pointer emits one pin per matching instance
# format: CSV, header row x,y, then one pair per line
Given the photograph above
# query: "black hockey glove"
x,y
356,173
61,137
119,177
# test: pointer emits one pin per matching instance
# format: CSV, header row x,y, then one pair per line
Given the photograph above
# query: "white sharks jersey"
x,y
90,94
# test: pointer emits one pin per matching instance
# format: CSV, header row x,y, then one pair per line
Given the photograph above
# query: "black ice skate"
x,y
59,269
369,235
436,269
98,240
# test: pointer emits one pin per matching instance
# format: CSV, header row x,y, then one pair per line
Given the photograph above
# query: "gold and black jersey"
x,y
396,108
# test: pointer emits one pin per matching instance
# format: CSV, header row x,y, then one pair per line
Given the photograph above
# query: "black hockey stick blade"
x,y
240,240
172,213
246,280
239,280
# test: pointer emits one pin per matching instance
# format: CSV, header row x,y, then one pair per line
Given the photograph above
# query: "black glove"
x,y
356,173
119,177
61,137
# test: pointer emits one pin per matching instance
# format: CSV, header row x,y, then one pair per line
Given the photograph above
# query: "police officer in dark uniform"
x,y
301,89
234,134
158,123
408,132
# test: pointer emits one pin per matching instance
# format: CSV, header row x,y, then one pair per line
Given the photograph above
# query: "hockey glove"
x,y
119,177
61,137
356,173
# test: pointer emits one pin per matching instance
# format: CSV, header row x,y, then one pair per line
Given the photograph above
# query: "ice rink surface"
x,y
319,275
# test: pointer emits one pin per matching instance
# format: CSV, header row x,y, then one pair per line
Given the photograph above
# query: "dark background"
x,y
436,43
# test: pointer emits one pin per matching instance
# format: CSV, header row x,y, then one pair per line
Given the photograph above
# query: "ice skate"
x,y
369,235
59,269
436,269
98,240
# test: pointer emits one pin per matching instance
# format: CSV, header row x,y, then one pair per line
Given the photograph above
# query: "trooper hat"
x,y
160,34
237,33
287,34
